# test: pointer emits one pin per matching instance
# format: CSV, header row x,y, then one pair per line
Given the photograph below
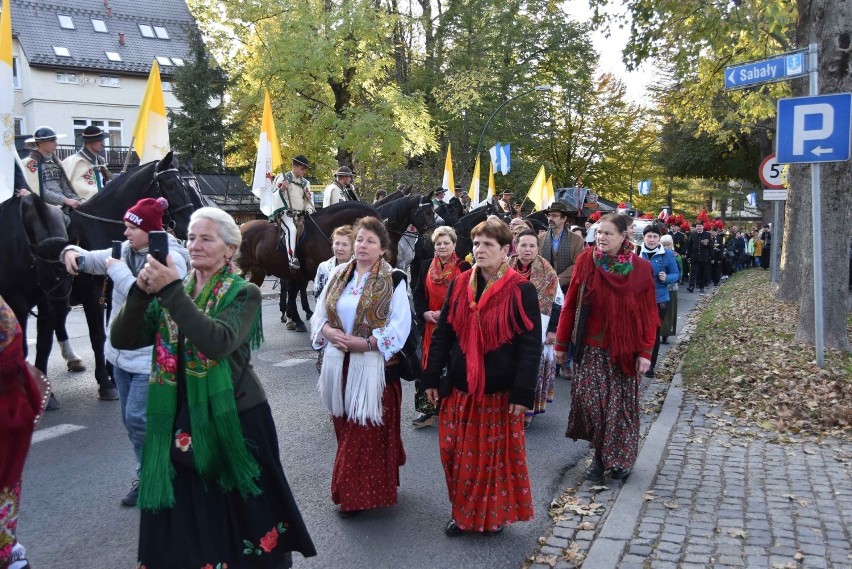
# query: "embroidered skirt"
x,y
605,409
485,461
545,386
209,528
366,467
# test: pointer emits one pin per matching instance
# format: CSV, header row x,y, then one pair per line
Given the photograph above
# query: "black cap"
x,y
43,133
92,133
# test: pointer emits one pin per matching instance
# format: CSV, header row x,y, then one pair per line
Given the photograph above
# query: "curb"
x,y
622,519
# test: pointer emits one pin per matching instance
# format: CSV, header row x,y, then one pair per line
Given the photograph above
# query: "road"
x,y
81,464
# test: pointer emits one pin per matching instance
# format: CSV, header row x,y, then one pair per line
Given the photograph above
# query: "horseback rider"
x,y
341,189
44,172
458,202
87,169
295,191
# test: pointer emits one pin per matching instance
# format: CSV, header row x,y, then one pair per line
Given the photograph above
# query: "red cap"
x,y
147,214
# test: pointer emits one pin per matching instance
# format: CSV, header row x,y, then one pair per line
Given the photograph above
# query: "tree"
x,y
197,129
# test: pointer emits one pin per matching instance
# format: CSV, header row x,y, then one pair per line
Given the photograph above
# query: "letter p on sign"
x,y
805,116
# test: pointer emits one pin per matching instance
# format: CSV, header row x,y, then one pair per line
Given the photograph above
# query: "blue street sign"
x,y
814,129
778,68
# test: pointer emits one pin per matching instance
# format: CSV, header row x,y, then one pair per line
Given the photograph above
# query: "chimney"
x,y
109,11
121,38
106,3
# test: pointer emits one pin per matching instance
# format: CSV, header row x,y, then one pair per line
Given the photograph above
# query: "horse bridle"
x,y
58,281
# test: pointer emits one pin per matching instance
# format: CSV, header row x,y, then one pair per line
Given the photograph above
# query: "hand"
x,y
72,203
517,409
110,262
21,192
561,357
662,276
284,184
432,395
70,259
335,336
155,275
550,338
642,365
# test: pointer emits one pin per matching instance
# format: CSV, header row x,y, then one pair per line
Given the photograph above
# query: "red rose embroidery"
x,y
208,566
183,441
269,541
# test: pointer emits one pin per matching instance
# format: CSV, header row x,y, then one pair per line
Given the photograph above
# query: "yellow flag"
x,y
151,133
549,195
473,192
448,182
268,162
7,94
492,189
537,190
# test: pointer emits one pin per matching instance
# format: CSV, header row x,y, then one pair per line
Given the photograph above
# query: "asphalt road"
x,y
81,464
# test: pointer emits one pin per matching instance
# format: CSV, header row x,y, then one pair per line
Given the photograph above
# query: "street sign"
x,y
770,173
774,195
779,68
814,129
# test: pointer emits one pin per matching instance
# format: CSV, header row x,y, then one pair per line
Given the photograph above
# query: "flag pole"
x,y
129,152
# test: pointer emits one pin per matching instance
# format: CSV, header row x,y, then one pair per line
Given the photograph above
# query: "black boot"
x,y
595,471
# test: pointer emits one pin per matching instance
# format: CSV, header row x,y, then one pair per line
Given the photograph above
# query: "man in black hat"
x,y
559,246
506,202
440,193
457,203
87,169
298,200
341,189
44,172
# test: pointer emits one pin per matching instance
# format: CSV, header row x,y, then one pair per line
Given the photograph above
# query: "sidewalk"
x,y
707,493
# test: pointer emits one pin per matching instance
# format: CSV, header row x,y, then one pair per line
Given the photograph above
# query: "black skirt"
x,y
207,528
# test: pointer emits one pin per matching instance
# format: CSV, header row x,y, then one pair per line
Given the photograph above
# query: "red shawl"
x,y
437,282
484,326
626,303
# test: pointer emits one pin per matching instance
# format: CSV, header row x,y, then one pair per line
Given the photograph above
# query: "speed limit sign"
x,y
771,173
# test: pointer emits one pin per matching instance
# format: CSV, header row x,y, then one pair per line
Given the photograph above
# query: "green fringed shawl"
x,y
219,450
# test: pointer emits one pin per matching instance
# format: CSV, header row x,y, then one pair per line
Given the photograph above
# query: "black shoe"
x,y
308,315
300,327
664,340
108,392
452,530
52,403
424,420
347,514
132,496
620,473
701,290
596,470
497,531
649,374
527,422
690,289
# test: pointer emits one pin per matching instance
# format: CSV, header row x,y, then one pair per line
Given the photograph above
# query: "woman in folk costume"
x,y
428,296
23,397
362,320
212,490
530,265
489,337
610,315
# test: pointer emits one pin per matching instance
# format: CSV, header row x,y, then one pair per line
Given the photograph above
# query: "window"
x,y
16,78
110,81
20,126
164,60
146,31
113,56
112,128
66,22
65,77
161,32
167,85
61,51
99,26
178,61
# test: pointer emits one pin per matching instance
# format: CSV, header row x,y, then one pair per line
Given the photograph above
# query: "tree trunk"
x,y
826,23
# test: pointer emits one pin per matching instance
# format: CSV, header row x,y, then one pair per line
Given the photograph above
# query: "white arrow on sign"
x,y
819,150
732,77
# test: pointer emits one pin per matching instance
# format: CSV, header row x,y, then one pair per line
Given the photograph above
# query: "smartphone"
x,y
158,245
81,263
116,249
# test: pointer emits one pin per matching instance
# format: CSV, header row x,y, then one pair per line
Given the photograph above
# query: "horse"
x,y
33,236
399,214
99,221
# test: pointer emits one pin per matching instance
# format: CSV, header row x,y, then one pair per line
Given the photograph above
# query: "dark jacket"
x,y
695,251
512,367
679,242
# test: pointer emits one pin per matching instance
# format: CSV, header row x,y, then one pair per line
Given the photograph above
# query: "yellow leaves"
x,y
649,495
671,505
573,554
740,533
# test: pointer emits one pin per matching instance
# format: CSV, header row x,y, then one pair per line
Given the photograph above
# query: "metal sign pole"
x,y
816,218
773,254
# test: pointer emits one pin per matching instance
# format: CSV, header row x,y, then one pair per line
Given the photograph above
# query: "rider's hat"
x,y
43,133
301,160
440,191
344,171
93,133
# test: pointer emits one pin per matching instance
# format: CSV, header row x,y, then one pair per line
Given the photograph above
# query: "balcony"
x,y
115,155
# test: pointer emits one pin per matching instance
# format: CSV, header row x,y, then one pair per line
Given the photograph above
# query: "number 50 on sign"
x,y
772,174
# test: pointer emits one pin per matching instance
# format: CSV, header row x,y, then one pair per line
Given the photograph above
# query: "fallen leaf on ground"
x,y
550,560
798,556
738,533
599,488
671,505
649,495
573,554
586,526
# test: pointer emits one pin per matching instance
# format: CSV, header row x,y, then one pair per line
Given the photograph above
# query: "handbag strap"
x,y
577,312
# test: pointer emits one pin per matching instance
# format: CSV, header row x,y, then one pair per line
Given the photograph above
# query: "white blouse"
x,y
390,338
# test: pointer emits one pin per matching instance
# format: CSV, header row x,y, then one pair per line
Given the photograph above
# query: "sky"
x,y
609,49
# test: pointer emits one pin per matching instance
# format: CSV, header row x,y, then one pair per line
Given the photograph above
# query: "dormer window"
x,y
61,51
146,31
164,60
100,26
66,22
178,61
161,32
113,56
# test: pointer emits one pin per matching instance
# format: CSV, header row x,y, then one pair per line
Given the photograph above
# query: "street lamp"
x,y
543,88
635,162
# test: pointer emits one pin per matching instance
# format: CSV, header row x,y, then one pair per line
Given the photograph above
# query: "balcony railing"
x,y
114,155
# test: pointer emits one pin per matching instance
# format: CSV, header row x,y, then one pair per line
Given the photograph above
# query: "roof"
x,y
37,28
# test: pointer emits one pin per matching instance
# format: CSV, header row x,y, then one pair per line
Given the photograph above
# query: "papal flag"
x,y
7,122
151,134
448,182
549,195
537,191
473,192
268,162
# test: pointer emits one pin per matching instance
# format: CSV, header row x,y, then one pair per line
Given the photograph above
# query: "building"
x,y
86,62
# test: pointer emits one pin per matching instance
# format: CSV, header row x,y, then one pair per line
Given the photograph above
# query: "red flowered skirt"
x,y
366,468
485,461
605,409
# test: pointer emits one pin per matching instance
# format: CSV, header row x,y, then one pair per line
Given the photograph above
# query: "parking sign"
x,y
814,129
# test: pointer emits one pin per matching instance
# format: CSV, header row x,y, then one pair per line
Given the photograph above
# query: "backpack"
x,y
411,354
